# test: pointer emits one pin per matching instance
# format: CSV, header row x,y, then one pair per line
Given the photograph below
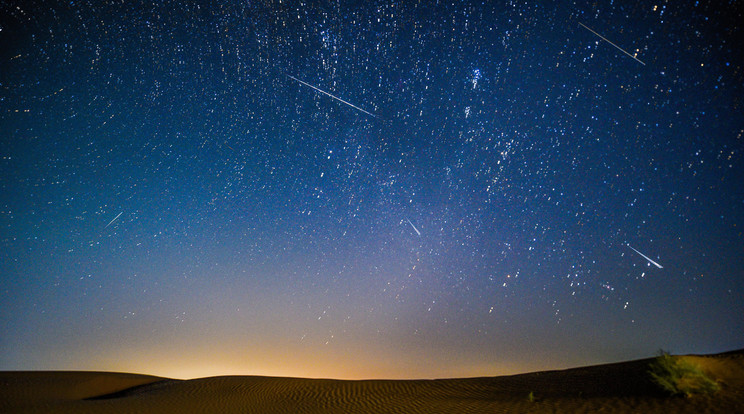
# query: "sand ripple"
x,y
620,388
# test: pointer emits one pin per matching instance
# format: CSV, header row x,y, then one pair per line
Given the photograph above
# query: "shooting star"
x,y
111,222
333,96
414,227
618,47
646,257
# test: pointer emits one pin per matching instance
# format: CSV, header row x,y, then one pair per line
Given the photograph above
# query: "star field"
x,y
368,189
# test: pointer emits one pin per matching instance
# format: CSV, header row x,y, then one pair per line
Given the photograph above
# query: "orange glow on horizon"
x,y
192,364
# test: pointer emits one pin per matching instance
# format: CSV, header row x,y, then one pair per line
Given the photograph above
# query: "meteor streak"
x,y
618,47
414,227
333,96
117,216
646,257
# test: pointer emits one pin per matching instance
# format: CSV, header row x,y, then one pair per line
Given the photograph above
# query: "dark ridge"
x,y
738,352
137,389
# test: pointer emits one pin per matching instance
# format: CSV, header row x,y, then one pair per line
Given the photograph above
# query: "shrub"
x,y
680,377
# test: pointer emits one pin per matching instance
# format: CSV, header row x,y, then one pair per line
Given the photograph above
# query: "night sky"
x,y
479,189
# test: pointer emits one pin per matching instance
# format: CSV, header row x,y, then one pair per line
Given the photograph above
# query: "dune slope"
x,y
621,388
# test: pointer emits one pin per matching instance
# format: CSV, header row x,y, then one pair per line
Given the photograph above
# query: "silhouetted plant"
x,y
680,377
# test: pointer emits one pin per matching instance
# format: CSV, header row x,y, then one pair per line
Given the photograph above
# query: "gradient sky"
x,y
175,199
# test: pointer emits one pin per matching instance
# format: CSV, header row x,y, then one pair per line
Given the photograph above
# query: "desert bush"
x,y
680,377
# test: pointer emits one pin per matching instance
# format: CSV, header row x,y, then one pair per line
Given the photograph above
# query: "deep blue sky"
x,y
173,202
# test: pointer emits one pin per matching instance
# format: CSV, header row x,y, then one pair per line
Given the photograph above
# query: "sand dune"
x,y
620,388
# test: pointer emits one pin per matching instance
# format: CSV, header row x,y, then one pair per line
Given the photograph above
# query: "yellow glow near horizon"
x,y
200,363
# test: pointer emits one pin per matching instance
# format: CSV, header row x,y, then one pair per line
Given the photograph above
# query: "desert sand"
x,y
623,387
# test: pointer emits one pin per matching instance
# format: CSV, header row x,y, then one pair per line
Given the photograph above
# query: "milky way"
x,y
477,223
